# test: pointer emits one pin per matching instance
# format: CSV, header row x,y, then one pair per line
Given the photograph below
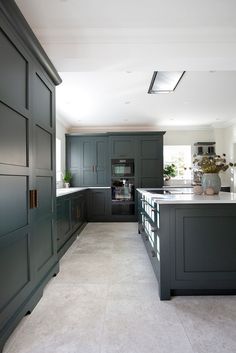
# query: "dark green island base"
x,y
191,243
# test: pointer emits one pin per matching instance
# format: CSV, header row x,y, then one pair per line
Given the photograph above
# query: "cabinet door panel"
x,y
42,93
43,230
150,161
13,203
151,173
13,73
88,162
13,137
194,251
151,148
73,153
45,196
88,154
101,150
43,149
122,146
98,204
15,266
66,218
43,242
63,220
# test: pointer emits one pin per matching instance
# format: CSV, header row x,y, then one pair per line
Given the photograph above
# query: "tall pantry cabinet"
x,y
28,255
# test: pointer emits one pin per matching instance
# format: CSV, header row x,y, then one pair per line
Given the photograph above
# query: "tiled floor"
x,y
104,300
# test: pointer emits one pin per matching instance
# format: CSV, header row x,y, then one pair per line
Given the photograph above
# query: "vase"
x,y
167,182
211,180
67,185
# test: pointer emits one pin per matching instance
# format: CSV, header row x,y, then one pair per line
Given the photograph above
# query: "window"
x,y
181,156
58,159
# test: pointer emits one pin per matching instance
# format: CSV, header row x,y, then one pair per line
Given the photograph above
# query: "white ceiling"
x,y
106,52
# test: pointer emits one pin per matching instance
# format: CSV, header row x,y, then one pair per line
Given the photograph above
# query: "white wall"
x,y
226,143
60,134
187,137
225,139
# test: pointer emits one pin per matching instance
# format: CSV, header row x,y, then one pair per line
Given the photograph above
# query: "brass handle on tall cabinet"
x,y
33,196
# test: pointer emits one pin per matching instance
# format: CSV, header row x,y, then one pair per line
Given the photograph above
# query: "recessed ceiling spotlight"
x,y
127,102
125,119
128,72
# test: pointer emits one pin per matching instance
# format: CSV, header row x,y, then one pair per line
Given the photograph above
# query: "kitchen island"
x,y
190,239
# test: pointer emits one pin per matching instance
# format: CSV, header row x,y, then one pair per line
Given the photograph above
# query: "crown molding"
x,y
15,18
155,35
224,124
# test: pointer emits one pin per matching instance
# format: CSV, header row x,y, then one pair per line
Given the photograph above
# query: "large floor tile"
x,y
148,327
68,319
209,321
105,300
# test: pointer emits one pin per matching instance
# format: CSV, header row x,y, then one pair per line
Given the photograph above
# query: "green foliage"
x,y
67,176
169,171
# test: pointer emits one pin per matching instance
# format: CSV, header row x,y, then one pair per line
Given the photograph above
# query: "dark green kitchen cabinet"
x,y
78,210
87,159
122,146
71,218
99,204
149,164
28,253
63,220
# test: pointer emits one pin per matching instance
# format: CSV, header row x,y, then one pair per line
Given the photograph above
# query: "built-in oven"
x,y
121,168
122,186
122,192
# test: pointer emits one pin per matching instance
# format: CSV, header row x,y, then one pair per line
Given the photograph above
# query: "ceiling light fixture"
x,y
165,81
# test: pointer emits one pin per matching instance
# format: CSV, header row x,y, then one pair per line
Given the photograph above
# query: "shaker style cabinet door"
x,y
44,241
149,165
122,146
87,159
15,180
98,204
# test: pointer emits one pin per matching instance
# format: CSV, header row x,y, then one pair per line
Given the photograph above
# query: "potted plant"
x,y
169,172
67,178
209,168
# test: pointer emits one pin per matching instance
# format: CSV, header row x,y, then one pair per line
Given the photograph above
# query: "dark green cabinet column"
x,y
149,164
27,169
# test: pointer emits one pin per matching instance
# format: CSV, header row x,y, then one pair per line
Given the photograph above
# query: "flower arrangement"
x,y
169,171
212,164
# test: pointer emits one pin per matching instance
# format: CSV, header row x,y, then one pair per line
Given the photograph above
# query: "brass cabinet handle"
x,y
33,196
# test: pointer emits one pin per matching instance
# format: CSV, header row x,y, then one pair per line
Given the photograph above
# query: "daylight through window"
x,y
181,156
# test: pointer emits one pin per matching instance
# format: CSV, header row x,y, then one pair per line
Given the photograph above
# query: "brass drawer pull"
x,y
33,196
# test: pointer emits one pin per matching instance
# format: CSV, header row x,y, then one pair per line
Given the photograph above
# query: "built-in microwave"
x,y
122,168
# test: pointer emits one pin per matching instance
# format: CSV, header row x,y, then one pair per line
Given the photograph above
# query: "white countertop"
x,y
66,191
188,198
